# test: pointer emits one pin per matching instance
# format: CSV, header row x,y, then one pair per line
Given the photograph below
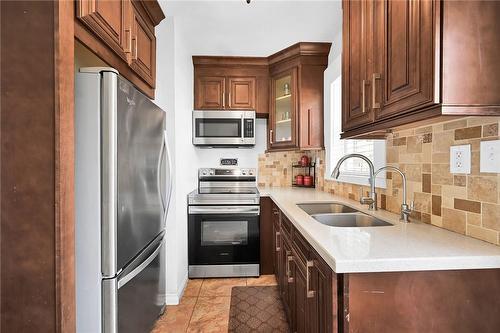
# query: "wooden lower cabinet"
x,y
318,300
321,316
305,281
286,278
276,238
266,236
299,321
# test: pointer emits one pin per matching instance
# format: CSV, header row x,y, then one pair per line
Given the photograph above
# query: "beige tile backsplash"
x,y
467,204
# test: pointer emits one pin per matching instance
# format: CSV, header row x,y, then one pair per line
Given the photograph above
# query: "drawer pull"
x,y
278,248
310,293
288,271
375,77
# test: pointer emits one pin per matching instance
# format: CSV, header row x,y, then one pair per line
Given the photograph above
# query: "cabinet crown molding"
x,y
298,49
153,9
301,49
229,61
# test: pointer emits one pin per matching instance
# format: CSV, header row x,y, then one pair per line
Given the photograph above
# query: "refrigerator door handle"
x,y
123,280
109,171
170,177
109,306
158,174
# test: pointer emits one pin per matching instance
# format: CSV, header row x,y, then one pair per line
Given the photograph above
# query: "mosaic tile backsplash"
x,y
467,204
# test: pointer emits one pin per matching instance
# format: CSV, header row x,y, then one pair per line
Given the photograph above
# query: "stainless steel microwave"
x,y
221,128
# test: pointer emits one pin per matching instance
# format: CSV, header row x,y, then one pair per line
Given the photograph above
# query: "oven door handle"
x,y
247,210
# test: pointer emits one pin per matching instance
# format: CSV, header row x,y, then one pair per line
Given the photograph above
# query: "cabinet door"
x,y
320,315
301,324
357,62
276,242
143,58
241,93
266,235
107,20
405,36
209,93
286,278
283,113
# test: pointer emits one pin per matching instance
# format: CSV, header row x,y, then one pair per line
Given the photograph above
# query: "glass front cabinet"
x,y
283,120
296,97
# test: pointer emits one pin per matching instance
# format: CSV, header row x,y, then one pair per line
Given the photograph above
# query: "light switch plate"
x,y
490,156
460,159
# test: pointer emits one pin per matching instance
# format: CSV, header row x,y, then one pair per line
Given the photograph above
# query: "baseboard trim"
x,y
174,298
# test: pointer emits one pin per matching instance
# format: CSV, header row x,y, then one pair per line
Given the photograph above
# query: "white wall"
x,y
220,28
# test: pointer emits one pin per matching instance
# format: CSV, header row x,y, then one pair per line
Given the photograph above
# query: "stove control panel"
x,y
226,172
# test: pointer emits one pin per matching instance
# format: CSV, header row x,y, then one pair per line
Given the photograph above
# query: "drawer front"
x,y
286,225
301,246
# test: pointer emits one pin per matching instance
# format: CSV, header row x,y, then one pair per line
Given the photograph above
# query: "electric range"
x,y
223,224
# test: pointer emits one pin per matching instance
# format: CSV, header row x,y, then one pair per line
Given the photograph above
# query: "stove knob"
x,y
204,172
243,172
250,172
211,172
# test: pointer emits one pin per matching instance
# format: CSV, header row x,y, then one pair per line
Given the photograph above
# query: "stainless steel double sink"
x,y
335,214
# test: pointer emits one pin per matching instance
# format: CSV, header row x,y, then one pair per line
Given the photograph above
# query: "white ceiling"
x,y
233,27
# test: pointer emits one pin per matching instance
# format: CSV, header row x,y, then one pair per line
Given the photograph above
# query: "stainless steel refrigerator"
x,y
122,190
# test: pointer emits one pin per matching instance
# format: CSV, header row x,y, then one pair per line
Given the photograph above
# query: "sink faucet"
x,y
405,209
372,199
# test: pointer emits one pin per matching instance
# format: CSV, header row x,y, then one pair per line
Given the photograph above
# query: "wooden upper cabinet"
x,y
405,80
241,93
122,33
107,19
296,101
143,52
210,93
282,116
357,63
429,59
231,83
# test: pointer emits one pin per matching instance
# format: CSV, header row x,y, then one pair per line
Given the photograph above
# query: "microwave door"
x,y
218,131
223,128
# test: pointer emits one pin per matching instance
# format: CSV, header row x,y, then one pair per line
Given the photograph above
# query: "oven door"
x,y
221,235
224,128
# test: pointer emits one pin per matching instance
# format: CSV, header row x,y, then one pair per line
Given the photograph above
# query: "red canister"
x,y
308,180
299,180
304,160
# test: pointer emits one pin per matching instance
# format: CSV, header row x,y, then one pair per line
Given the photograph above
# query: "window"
x,y
353,170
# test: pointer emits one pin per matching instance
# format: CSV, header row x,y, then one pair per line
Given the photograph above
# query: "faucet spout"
x,y
405,209
372,200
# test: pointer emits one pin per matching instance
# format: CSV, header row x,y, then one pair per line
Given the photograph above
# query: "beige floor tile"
x,y
211,314
177,317
193,287
263,280
220,287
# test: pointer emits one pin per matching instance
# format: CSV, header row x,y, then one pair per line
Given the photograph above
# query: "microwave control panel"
x,y
249,128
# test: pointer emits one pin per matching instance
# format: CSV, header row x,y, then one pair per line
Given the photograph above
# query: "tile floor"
x,y
204,307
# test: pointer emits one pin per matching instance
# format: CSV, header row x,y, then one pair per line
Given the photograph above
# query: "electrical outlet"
x,y
460,159
490,156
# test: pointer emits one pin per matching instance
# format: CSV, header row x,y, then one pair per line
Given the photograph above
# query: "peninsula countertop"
x,y
413,246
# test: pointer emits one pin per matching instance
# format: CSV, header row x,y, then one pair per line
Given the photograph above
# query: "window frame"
x,y
334,149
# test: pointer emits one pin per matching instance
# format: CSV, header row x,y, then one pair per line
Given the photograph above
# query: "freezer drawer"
x,y
133,301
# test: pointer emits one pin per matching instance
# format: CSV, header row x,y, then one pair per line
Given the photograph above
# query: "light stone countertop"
x,y
413,246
